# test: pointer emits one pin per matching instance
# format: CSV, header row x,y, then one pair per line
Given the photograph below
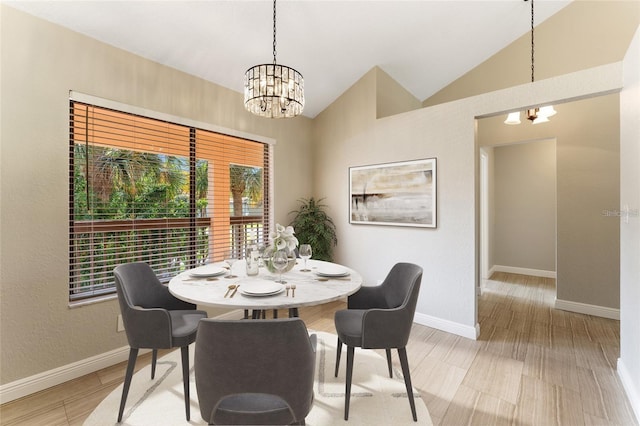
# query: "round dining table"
x,y
217,286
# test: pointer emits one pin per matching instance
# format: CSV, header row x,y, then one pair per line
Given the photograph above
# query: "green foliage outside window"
x,y
128,185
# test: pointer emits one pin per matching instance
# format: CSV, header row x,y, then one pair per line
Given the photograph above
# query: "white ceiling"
x,y
422,44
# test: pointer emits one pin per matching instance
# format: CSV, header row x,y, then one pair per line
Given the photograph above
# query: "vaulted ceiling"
x,y
423,44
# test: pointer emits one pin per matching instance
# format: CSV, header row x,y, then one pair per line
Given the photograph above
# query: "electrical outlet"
x,y
120,326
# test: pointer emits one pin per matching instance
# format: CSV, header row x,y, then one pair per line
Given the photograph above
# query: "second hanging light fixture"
x,y
535,115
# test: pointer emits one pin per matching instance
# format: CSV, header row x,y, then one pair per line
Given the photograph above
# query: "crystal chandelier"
x,y
273,90
535,115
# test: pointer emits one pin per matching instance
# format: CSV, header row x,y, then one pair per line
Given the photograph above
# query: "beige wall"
x,y
41,62
582,35
525,206
447,252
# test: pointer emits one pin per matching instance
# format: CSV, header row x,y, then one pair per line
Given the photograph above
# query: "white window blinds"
x,y
147,190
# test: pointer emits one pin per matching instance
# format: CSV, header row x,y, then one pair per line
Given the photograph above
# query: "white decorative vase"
x,y
268,254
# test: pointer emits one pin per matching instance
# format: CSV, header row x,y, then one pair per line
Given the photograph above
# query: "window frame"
x,y
268,172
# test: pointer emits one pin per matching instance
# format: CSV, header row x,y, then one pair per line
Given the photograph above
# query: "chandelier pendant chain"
x,y
532,45
274,32
532,114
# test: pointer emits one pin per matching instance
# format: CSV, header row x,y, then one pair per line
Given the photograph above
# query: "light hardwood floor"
x,y
532,365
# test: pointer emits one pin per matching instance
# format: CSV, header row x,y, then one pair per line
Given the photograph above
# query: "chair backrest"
x,y
399,283
273,357
138,287
400,289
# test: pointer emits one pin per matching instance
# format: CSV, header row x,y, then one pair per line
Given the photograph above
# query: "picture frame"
x,y
396,194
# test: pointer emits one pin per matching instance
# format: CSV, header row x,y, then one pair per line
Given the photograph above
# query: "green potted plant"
x,y
314,226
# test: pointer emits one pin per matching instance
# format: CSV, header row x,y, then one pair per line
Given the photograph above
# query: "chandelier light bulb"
x,y
547,111
513,118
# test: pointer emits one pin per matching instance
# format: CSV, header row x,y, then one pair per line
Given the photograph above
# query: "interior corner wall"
x,y
391,97
41,63
628,364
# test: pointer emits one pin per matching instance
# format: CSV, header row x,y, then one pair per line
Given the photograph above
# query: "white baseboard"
x,y
584,308
523,271
490,272
47,379
633,393
448,326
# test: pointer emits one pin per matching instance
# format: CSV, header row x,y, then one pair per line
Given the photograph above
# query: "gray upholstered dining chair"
x,y
380,317
153,319
255,371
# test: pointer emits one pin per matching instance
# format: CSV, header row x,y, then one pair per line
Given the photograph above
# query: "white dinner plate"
x,y
208,271
261,294
260,288
332,271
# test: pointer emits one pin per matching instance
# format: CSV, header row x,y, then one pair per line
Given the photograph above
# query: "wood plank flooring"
x,y
532,365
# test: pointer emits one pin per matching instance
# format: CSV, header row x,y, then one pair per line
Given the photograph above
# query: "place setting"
x,y
256,287
207,273
332,272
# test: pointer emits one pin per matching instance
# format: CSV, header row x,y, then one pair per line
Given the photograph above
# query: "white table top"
x,y
311,289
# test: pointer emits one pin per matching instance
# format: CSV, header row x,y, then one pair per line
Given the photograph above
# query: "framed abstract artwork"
x,y
398,194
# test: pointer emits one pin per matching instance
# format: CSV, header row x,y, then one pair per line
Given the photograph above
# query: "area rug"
x,y
376,399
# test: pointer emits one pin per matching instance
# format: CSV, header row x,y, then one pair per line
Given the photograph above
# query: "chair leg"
x,y
185,380
338,353
389,362
347,391
133,355
154,358
404,362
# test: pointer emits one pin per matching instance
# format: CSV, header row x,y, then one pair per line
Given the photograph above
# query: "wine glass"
x,y
280,260
305,253
230,258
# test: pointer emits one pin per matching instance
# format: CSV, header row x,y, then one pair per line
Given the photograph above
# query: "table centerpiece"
x,y
281,239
